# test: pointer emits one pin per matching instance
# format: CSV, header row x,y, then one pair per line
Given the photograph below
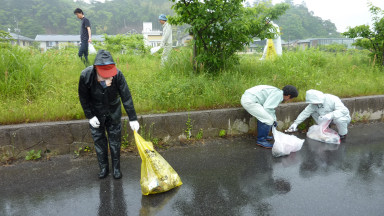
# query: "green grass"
x,y
43,87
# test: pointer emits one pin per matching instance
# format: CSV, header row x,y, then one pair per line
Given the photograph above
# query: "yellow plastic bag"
x,y
271,51
157,175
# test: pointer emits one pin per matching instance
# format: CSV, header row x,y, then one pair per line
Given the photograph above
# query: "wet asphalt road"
x,y
221,177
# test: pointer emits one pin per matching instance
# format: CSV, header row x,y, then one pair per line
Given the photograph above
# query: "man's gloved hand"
x,y
134,125
275,124
292,128
94,122
326,117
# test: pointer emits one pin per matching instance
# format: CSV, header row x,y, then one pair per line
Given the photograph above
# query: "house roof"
x,y
20,37
313,39
65,38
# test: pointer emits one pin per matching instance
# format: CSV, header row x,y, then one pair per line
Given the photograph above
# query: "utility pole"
x,y
17,30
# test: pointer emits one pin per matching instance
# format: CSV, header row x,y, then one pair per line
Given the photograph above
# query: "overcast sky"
x,y
343,13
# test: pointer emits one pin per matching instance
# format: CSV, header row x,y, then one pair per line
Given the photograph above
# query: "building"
x,y
152,37
315,42
184,40
256,46
60,41
21,40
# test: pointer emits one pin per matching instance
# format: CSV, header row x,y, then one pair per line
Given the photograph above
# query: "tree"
x,y
371,39
220,28
5,37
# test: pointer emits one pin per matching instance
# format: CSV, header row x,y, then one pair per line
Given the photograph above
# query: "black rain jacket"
x,y
105,102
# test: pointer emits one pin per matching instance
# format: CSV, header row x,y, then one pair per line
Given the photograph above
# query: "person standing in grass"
x,y
166,41
102,89
324,107
85,35
260,101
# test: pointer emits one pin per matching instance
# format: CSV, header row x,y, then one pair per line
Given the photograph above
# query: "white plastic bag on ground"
x,y
91,49
155,49
285,143
322,133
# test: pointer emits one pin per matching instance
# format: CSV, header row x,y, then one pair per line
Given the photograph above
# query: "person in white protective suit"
x,y
166,40
324,107
260,101
276,41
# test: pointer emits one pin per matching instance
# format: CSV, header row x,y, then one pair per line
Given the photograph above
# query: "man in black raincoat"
x,y
101,87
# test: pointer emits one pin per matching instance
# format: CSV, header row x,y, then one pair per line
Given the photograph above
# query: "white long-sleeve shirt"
x,y
166,40
267,96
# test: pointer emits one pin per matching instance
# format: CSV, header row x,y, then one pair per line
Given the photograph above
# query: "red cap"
x,y
106,71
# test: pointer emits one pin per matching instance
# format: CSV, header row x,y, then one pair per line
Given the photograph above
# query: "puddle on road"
x,y
230,177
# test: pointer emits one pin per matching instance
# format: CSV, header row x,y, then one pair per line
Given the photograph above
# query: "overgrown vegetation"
x,y
43,87
126,44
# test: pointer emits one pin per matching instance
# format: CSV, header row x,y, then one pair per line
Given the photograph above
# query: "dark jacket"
x,y
103,102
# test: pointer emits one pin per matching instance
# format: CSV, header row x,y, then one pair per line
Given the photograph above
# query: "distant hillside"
x,y
300,23
56,16
120,16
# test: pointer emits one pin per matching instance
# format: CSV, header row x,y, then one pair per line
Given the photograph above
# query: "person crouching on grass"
x,y
260,101
101,88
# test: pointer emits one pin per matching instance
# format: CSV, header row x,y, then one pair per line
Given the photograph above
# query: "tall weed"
x,y
38,86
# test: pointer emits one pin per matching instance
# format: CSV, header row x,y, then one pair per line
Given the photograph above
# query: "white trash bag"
x,y
322,133
91,49
155,49
285,143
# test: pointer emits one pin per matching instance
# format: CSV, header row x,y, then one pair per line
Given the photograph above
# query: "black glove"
x,y
275,124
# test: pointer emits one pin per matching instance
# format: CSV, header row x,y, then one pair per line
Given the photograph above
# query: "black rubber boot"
x,y
114,136
104,171
102,157
101,147
115,156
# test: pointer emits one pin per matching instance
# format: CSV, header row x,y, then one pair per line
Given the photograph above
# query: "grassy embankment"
x,y
43,87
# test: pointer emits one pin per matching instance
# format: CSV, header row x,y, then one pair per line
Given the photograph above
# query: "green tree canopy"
x,y
222,27
371,38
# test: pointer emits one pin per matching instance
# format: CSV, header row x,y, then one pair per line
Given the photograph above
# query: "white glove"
x,y
326,117
134,125
94,122
292,128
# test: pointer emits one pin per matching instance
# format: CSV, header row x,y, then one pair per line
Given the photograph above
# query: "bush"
x,y
128,44
334,48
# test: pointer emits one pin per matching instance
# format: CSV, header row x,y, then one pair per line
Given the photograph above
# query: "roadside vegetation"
x,y
38,86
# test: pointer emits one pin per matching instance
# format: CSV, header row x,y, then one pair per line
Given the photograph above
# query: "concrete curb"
x,y
67,136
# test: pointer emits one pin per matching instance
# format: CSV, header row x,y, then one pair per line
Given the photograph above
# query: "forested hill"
x,y
121,16
300,23
56,16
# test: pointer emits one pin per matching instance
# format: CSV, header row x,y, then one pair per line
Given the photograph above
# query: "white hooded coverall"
x,y
321,104
260,101
166,42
